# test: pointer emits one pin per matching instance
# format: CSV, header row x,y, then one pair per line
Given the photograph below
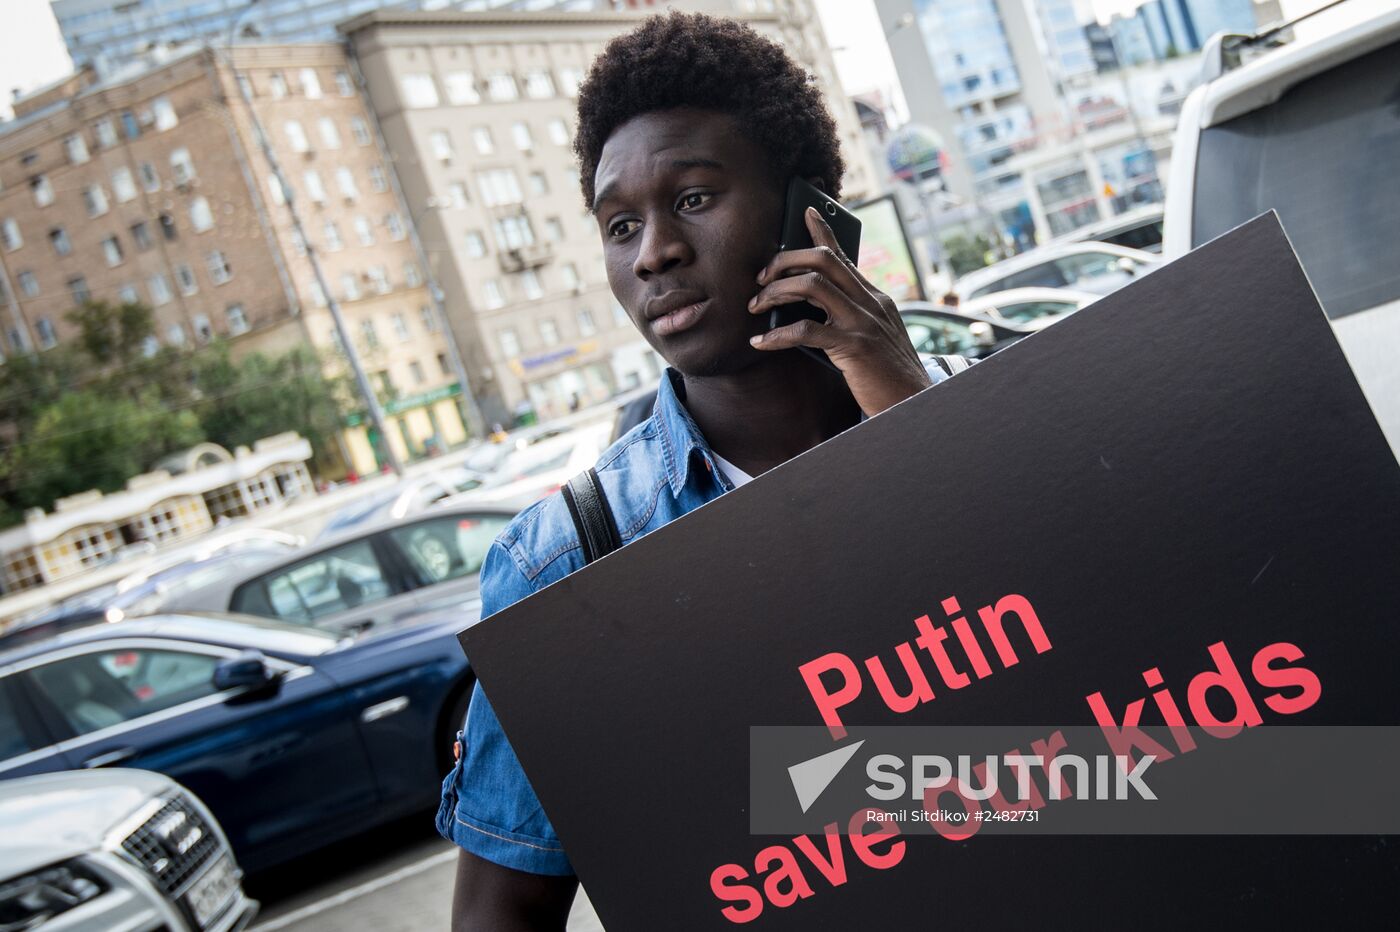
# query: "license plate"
x,y
209,894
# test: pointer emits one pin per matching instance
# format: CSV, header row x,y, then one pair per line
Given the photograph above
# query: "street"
x,y
395,879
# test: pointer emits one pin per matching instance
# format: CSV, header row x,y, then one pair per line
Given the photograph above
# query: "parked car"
x,y
406,497
937,330
114,849
1309,129
530,473
1100,268
367,575
1140,228
1030,308
293,736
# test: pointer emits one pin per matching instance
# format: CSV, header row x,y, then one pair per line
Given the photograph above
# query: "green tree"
x,y
112,335
966,255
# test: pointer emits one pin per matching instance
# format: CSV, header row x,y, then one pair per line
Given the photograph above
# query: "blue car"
x,y
293,736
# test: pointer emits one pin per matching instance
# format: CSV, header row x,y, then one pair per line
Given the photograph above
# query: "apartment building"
x,y
150,185
478,109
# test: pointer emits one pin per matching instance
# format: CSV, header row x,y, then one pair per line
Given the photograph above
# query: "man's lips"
x,y
675,312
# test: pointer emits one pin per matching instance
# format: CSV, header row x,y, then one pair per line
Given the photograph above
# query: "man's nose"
x,y
663,248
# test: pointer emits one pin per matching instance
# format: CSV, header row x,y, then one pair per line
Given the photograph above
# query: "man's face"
x,y
689,212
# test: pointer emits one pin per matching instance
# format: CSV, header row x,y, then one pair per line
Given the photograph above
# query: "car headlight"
x,y
29,901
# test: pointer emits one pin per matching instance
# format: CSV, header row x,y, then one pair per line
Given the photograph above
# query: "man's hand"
x,y
863,336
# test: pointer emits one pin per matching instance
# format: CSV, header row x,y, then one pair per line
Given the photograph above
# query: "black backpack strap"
x,y
953,364
593,519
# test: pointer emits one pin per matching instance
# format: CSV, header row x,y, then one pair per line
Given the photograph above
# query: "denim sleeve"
x,y
488,806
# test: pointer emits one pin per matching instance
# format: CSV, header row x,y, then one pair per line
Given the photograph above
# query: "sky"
x,y
31,49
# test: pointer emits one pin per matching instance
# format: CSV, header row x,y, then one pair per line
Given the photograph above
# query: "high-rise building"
x,y
151,186
1175,27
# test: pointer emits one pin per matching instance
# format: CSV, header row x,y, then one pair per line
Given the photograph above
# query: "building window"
x,y
378,277
415,369
444,366
130,126
360,130
457,191
78,288
167,227
141,235
549,332
492,295
377,179
411,278
570,273
219,269
530,285
127,294
275,191
538,185
181,166
150,346
164,112
318,295
175,335
310,83
315,190
95,200
369,334
61,243
201,216
440,143
76,149
514,232
395,224
330,136
400,327
277,85
345,181
553,229
429,318
343,87
235,318
558,132
47,338
501,86
28,284
41,189
150,181
350,286
482,139
296,136
106,133
9,235
569,79
332,237
112,252
419,91
203,332
538,85
123,186
586,325
510,342
476,245
461,88
159,289
499,186
520,133
364,231
184,278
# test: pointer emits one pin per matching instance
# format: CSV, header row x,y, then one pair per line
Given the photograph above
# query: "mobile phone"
x,y
801,194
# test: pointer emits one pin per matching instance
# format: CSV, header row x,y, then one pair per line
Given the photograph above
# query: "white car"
x,y
1100,268
528,474
1309,129
99,850
1030,308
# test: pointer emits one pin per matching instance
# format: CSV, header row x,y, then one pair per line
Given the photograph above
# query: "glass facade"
x,y
968,48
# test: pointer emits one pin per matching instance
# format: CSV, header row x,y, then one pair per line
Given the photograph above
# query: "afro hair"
x,y
694,60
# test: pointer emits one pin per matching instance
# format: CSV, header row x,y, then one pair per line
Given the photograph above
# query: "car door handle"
x,y
110,758
380,710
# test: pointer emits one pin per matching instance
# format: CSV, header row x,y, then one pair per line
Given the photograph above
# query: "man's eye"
x,y
693,200
622,228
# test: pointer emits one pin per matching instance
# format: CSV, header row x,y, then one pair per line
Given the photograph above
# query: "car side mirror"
x,y
983,334
248,670
1126,266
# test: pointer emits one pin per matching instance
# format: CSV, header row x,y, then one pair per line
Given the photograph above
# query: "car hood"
x,y
53,817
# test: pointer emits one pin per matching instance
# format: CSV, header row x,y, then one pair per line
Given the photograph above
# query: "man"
x,y
688,131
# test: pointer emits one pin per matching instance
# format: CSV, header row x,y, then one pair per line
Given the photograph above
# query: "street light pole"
x,y
347,344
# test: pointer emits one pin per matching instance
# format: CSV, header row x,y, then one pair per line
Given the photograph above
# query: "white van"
x,y
1312,130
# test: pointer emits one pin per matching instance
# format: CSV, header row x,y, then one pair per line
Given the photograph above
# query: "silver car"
x,y
360,577
114,849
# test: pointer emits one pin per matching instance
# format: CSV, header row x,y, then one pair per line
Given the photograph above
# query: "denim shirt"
x,y
659,471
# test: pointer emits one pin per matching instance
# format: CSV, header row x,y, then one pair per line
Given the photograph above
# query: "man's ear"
x,y
817,182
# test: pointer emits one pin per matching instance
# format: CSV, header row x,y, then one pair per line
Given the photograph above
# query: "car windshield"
x,y
1324,155
940,336
1026,311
